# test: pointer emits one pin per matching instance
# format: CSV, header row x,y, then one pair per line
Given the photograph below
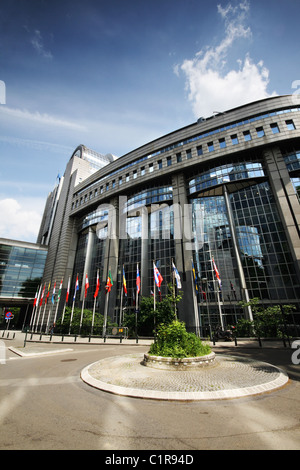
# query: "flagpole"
x,y
38,319
154,300
137,300
67,296
34,311
81,316
105,314
95,299
43,316
71,318
52,303
108,285
173,282
121,302
57,303
218,295
195,300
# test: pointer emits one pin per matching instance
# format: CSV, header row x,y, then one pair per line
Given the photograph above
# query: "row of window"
x,y
179,158
247,136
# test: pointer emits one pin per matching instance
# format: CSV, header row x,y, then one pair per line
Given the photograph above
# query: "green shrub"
x,y
174,341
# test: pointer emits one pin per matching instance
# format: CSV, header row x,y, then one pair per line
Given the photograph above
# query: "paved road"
x,y
45,405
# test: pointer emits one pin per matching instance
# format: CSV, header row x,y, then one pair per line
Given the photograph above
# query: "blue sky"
x,y
113,75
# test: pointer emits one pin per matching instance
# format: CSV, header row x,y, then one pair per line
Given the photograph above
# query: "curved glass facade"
x,y
219,196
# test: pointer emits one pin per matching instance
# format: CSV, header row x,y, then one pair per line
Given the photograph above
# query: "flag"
x,y
202,293
46,299
42,296
124,282
36,296
217,273
68,291
53,293
195,276
109,282
177,277
76,288
157,276
97,285
59,290
87,285
138,279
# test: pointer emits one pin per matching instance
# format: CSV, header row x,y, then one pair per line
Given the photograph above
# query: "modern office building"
x,y
219,197
21,270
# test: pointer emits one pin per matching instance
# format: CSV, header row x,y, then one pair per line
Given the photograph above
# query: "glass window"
x,y
169,161
247,136
178,157
113,183
134,174
159,164
188,154
127,177
260,131
290,125
234,139
120,180
275,128
199,150
222,143
210,146
142,171
151,167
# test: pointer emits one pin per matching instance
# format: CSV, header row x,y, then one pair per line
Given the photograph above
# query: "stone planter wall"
x,y
178,363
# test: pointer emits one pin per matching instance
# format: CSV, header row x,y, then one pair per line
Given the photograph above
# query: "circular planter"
x,y
178,363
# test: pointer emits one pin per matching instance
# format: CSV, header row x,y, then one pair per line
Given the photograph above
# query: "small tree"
x,y
164,312
174,341
268,321
86,322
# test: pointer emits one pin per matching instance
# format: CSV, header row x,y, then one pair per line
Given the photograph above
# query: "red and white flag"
x,y
87,285
97,285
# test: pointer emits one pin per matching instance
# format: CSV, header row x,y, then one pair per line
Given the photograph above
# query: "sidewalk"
x,y
75,339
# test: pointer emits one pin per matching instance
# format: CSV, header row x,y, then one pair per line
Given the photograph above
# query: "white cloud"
x,y
38,45
44,119
20,220
210,85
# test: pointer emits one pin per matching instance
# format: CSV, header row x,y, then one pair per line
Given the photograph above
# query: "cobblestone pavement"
x,y
229,377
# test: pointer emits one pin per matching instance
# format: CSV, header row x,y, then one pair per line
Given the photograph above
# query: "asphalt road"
x,y
44,405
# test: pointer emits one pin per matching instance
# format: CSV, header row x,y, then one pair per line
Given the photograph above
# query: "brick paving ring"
x,y
226,377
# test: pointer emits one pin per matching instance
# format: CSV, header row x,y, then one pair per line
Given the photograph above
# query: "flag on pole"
x,y
53,293
36,296
157,276
59,290
202,293
42,296
177,277
195,276
216,272
87,285
138,279
46,299
97,285
76,288
68,291
124,282
109,282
